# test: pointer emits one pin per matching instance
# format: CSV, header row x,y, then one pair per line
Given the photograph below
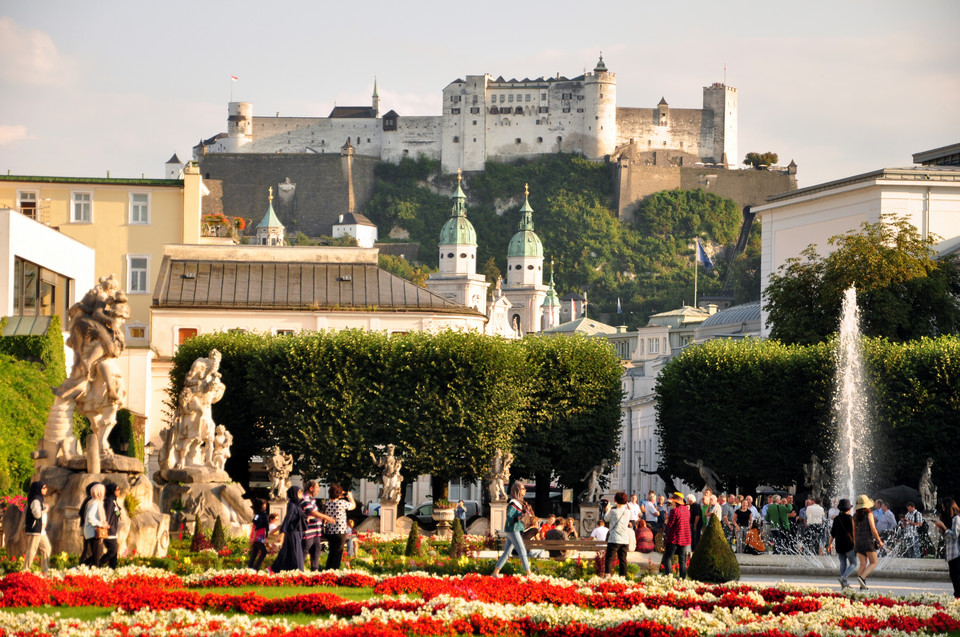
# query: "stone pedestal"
x,y
205,493
498,516
444,520
388,518
589,514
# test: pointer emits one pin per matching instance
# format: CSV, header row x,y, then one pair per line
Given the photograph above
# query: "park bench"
x,y
586,544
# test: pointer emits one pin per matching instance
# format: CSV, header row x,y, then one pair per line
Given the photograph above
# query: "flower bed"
x,y
154,602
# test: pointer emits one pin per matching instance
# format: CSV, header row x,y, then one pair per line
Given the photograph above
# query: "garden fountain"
x,y
851,465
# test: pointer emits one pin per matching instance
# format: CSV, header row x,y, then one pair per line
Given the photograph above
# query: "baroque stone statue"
x,y
222,441
593,491
710,478
94,386
499,475
928,490
390,476
279,467
189,441
813,476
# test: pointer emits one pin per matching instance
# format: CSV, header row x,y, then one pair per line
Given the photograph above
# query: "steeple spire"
x,y
526,213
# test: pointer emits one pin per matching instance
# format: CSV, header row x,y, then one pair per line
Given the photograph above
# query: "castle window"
x,y
456,139
539,139
474,122
510,99
559,139
529,267
566,109
543,96
580,97
474,109
517,140
579,110
503,98
527,99
474,99
518,110
494,110
463,255
543,109
474,139
449,255
454,111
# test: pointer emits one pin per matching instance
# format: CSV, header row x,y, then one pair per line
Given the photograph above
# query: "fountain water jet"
x,y
851,465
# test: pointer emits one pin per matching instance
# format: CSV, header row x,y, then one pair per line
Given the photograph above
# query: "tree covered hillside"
x,y
648,265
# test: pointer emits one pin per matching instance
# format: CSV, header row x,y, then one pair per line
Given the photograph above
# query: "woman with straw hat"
x,y
866,539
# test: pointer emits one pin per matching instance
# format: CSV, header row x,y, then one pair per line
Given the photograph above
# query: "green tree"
x,y
761,161
903,291
399,266
572,418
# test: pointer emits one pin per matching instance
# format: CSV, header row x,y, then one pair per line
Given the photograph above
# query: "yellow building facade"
x,y
125,221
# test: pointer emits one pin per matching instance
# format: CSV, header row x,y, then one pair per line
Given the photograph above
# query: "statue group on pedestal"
x,y
499,475
194,440
279,467
390,476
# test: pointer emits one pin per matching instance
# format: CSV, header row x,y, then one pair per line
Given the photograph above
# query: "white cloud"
x,y
12,133
30,56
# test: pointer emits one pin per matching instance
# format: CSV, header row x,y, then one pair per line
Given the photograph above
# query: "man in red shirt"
x,y
677,531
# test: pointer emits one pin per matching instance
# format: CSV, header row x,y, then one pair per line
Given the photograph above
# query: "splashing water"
x,y
851,468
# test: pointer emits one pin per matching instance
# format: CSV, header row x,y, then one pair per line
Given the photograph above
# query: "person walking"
x,y
866,539
912,521
335,508
677,536
842,533
949,526
111,508
94,518
258,535
618,519
742,520
313,534
290,557
35,527
81,516
512,529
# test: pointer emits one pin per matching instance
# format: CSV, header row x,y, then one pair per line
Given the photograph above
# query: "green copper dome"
x,y
270,220
458,229
525,243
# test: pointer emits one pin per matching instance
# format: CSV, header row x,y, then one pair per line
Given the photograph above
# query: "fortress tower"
x,y
720,104
600,112
239,126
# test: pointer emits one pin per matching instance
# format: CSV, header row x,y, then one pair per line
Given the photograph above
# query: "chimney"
x,y
711,308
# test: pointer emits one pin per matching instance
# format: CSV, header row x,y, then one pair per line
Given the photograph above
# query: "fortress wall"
x,y
635,182
414,136
317,135
312,207
682,132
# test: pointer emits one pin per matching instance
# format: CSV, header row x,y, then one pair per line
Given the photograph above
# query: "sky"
x,y
840,87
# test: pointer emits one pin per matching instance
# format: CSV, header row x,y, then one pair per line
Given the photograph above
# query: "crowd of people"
x,y
625,524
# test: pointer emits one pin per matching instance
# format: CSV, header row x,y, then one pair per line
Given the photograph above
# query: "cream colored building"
x,y
125,221
927,196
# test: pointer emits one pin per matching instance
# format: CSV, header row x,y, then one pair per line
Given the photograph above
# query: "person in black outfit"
x,y
843,534
290,557
111,507
261,526
696,521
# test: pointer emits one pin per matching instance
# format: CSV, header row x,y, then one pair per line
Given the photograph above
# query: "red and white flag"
x,y
234,78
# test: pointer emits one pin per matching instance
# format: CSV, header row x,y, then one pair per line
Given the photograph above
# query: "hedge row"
x,y
754,411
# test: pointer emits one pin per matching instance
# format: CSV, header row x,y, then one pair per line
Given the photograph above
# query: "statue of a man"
x,y
710,478
593,491
390,476
813,476
928,490
279,467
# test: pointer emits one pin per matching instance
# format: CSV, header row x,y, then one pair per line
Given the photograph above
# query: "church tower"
x,y
270,230
375,99
524,287
457,279
551,306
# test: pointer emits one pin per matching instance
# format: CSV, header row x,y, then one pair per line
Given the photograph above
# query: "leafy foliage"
x,y
399,266
218,539
573,411
770,409
29,366
904,293
647,267
713,559
761,161
413,541
458,546
445,400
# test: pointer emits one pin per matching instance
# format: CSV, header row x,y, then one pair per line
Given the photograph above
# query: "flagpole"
x,y
696,258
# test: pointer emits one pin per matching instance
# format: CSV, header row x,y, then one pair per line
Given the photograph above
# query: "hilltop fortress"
x,y
486,119
483,119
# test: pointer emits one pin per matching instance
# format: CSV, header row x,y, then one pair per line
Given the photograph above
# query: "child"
x,y
351,539
258,534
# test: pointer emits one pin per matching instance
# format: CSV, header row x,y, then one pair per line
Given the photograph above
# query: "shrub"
x,y
200,541
457,545
132,504
218,538
413,541
713,560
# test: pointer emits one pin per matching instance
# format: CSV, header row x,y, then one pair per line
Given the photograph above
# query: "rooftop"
x,y
908,174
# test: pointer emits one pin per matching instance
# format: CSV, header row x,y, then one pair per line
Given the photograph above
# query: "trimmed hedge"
x,y
754,410
713,559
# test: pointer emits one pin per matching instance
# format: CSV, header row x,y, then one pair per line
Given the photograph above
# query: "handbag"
x,y
101,533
